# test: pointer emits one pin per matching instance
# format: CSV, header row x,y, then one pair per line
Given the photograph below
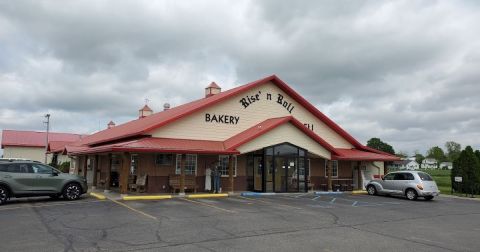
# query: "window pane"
x,y
163,159
41,169
334,168
190,164
285,149
425,177
223,165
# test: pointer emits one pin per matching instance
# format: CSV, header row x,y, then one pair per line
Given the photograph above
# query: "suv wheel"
x,y
411,194
72,191
371,190
3,195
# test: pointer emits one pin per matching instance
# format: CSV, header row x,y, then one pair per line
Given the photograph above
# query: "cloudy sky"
x,y
405,71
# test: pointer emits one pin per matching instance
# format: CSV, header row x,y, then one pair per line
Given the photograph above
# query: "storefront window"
x,y
223,162
190,164
334,168
163,159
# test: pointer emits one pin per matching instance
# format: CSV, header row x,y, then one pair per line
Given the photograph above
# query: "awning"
x,y
155,144
359,155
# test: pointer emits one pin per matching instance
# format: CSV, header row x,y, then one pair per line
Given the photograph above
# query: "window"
x,y
399,176
223,165
190,164
15,168
425,177
41,169
163,159
389,176
334,168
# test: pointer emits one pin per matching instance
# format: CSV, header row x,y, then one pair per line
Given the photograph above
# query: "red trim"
x,y
270,124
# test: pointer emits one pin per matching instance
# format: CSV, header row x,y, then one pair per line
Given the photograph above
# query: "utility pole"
x,y
46,137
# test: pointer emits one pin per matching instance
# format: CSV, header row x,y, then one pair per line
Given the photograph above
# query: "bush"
x,y
64,167
466,166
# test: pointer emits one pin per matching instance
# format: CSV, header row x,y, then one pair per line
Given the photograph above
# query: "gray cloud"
x,y
404,71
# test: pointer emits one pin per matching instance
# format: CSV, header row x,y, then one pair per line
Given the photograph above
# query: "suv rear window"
x,y
425,177
15,168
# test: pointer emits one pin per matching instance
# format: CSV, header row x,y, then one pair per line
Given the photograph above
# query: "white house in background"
x,y
446,165
405,164
429,163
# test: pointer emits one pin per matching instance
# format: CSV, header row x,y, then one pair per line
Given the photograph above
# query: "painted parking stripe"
x,y
333,200
272,203
37,205
208,205
316,198
134,210
354,203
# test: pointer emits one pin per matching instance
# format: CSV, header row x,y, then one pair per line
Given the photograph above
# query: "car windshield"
x,y
424,176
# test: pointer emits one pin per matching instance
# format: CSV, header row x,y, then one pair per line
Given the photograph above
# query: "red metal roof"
x,y
152,144
34,138
359,155
57,146
142,126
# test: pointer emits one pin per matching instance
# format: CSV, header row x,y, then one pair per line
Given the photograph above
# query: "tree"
x,y
402,154
466,166
477,153
419,157
437,153
453,150
377,144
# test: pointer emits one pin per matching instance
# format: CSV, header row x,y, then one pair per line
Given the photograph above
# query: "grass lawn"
x,y
442,177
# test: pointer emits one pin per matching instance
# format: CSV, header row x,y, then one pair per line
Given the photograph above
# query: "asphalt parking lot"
x,y
305,222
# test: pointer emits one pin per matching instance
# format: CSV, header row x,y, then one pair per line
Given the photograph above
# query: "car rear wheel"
x,y
411,194
3,195
371,190
72,191
428,197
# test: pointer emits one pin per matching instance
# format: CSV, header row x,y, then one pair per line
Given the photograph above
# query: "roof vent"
x,y
110,125
145,111
166,106
212,89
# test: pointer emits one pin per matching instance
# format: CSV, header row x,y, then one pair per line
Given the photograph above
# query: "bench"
x,y
140,183
190,182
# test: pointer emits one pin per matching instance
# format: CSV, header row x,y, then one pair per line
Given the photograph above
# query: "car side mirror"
x,y
54,173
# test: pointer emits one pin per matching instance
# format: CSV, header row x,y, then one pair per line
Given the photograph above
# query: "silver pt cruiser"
x,y
411,184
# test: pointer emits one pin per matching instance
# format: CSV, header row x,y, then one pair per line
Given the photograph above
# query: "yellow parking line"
x,y
208,205
147,197
134,210
207,195
98,195
49,205
270,202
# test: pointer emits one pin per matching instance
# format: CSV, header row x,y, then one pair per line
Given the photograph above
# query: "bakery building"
x,y
262,136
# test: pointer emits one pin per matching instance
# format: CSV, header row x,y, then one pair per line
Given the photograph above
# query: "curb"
x,y
147,197
98,196
360,192
208,195
257,194
327,193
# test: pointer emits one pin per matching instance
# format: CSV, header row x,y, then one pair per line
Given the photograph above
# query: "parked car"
x,y
23,178
411,184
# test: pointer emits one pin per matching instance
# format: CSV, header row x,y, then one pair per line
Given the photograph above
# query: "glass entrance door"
x,y
280,174
257,173
292,174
